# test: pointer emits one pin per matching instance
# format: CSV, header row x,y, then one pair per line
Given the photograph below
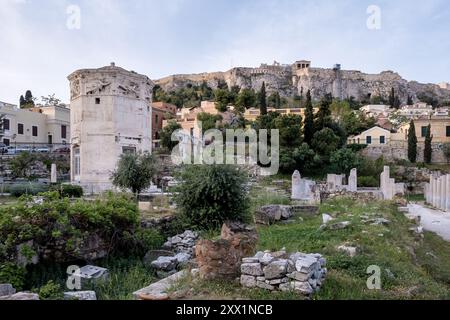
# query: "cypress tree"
x,y
308,128
410,101
427,151
412,142
262,100
323,118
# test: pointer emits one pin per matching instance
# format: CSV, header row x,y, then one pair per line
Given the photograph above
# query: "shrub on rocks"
x,y
209,195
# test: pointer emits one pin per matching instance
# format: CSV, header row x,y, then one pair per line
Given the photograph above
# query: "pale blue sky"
x,y
163,37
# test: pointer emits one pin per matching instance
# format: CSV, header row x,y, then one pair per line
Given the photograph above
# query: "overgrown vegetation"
x,y
67,228
211,194
410,268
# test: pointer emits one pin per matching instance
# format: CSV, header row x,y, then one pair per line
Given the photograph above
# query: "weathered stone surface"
x,y
248,281
80,295
152,255
306,264
351,251
253,269
272,213
165,263
182,258
159,290
298,286
7,289
305,272
277,281
275,269
21,296
264,285
266,259
339,225
326,218
250,260
221,259
299,276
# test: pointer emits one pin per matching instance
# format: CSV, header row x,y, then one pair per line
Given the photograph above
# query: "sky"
x,y
43,41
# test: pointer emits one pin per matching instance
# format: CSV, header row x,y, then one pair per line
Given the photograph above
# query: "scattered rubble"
x,y
303,273
181,248
273,213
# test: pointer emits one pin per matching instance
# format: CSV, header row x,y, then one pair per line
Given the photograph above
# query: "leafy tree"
x,y
308,128
262,99
325,142
412,142
356,122
427,152
290,129
208,195
323,117
221,97
22,165
22,101
209,121
135,171
246,99
304,157
274,100
343,160
166,135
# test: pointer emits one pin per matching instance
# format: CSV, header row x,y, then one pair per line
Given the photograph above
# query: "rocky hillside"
x,y
289,81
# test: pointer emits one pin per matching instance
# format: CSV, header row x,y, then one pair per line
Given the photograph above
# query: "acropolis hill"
x,y
291,78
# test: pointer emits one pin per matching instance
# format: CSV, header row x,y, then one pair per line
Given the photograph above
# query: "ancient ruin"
x,y
437,191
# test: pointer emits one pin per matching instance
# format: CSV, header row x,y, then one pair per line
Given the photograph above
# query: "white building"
x,y
110,114
376,110
41,125
416,110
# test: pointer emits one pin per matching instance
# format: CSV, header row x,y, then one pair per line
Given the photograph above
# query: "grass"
x,y
415,197
125,277
410,268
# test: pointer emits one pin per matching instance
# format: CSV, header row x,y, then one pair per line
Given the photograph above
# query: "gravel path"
x,y
432,220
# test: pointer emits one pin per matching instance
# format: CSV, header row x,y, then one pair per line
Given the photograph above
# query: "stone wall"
x,y
221,259
399,151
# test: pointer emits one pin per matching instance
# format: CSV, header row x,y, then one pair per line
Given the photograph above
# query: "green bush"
x,y
208,195
13,274
59,220
50,291
68,190
367,182
32,189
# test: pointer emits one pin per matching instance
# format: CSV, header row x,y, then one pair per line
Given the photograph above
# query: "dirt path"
x,y
432,220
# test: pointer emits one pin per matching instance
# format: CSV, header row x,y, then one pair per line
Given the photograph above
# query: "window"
x,y
368,140
128,150
156,118
424,131
20,128
6,124
63,132
97,100
76,163
6,142
447,129
34,130
382,139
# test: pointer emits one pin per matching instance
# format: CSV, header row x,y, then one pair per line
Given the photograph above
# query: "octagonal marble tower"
x,y
110,113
